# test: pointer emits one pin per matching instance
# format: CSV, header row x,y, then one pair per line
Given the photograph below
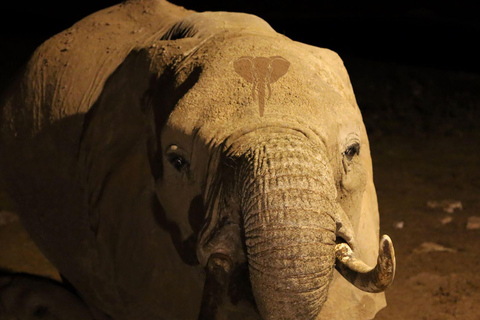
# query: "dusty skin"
x,y
172,163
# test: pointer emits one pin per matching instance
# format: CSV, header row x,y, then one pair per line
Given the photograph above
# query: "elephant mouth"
x,y
220,271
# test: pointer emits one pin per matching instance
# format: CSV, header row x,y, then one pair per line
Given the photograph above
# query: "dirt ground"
x,y
424,133
425,150
437,257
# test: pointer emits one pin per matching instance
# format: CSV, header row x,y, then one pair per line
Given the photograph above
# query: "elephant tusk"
x,y
362,276
219,268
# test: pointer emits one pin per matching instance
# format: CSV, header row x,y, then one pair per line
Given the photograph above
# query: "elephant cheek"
x,y
289,233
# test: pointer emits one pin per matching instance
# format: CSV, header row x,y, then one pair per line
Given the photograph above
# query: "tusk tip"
x,y
365,278
386,262
386,249
386,240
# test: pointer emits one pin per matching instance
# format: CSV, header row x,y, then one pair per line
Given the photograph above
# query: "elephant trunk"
x,y
287,197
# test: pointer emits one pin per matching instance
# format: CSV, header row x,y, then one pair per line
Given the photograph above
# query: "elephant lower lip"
x,y
218,271
221,272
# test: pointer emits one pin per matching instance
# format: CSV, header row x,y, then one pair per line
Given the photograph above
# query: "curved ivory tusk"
x,y
361,275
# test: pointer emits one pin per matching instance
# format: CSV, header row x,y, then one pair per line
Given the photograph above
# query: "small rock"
x,y
398,224
446,220
473,223
447,205
452,205
432,204
432,247
7,217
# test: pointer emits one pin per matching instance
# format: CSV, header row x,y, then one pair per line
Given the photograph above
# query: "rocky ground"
x,y
425,148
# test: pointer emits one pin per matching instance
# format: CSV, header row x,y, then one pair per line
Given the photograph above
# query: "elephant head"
x,y
186,195
278,198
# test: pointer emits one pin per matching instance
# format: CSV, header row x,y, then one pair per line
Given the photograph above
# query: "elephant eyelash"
x,y
352,151
178,162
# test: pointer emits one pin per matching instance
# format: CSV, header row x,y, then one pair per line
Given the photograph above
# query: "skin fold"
x,y
196,166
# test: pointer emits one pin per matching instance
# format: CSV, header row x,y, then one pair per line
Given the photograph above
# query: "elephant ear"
x,y
115,174
129,116
118,164
244,67
279,67
113,128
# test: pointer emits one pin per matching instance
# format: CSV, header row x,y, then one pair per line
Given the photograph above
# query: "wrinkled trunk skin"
x,y
287,195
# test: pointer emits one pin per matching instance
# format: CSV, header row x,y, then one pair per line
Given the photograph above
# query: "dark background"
x,y
409,61
443,35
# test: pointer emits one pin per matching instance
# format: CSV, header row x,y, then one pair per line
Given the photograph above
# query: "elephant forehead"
x,y
252,78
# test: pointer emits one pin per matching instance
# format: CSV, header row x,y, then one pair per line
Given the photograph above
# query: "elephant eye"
x,y
351,151
178,162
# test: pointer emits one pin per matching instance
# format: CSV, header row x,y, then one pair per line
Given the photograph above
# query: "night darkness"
x,y
375,41
411,32
415,73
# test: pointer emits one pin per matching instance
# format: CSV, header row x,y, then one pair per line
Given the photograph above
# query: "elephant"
x,y
174,164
